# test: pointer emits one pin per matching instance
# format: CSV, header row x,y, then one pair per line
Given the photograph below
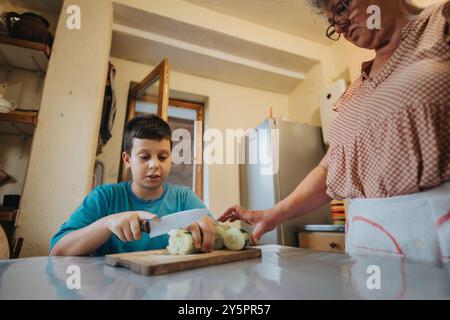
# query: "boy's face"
x,y
150,162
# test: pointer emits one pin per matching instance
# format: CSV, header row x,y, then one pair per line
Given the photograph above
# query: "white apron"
x,y
415,226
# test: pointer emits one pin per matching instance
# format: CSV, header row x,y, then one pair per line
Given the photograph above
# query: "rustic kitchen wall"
x,y
63,151
64,146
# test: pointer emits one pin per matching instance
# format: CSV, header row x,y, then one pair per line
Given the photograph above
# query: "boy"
x,y
108,220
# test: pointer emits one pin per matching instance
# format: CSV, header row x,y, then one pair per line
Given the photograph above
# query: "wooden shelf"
x,y
8,215
24,54
28,55
18,122
27,117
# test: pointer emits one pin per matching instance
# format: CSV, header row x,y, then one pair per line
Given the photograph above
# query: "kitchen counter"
x,y
281,273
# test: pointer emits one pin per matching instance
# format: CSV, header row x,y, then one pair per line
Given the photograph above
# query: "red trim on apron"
x,y
382,229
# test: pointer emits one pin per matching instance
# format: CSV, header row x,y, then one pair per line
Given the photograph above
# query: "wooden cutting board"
x,y
158,262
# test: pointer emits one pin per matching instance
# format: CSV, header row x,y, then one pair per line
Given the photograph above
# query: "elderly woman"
x,y
390,144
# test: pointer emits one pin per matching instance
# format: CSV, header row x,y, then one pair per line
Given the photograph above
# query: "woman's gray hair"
x,y
317,5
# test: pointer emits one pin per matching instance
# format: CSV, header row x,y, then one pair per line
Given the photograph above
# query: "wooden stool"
x,y
4,245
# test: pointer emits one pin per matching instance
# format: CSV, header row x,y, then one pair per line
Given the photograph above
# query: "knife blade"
x,y
157,227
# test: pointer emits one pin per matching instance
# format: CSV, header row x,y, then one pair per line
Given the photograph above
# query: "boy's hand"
x,y
126,225
204,233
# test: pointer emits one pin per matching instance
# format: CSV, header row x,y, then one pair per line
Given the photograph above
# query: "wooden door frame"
x,y
161,73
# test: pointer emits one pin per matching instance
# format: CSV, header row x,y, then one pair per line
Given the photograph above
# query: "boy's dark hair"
x,y
146,127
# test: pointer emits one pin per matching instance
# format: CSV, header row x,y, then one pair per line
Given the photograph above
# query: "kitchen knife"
x,y
157,227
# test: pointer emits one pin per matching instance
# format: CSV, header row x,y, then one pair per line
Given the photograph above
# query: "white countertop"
x,y
281,273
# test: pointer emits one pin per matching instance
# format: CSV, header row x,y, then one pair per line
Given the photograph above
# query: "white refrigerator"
x,y
286,152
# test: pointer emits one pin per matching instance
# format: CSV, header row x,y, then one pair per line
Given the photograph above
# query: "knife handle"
x,y
145,226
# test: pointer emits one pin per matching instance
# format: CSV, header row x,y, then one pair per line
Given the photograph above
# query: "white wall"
x,y
228,107
304,100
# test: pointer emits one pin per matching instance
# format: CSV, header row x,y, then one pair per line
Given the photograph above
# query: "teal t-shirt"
x,y
115,198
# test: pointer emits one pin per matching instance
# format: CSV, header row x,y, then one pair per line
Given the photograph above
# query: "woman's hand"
x,y
204,233
262,221
127,225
